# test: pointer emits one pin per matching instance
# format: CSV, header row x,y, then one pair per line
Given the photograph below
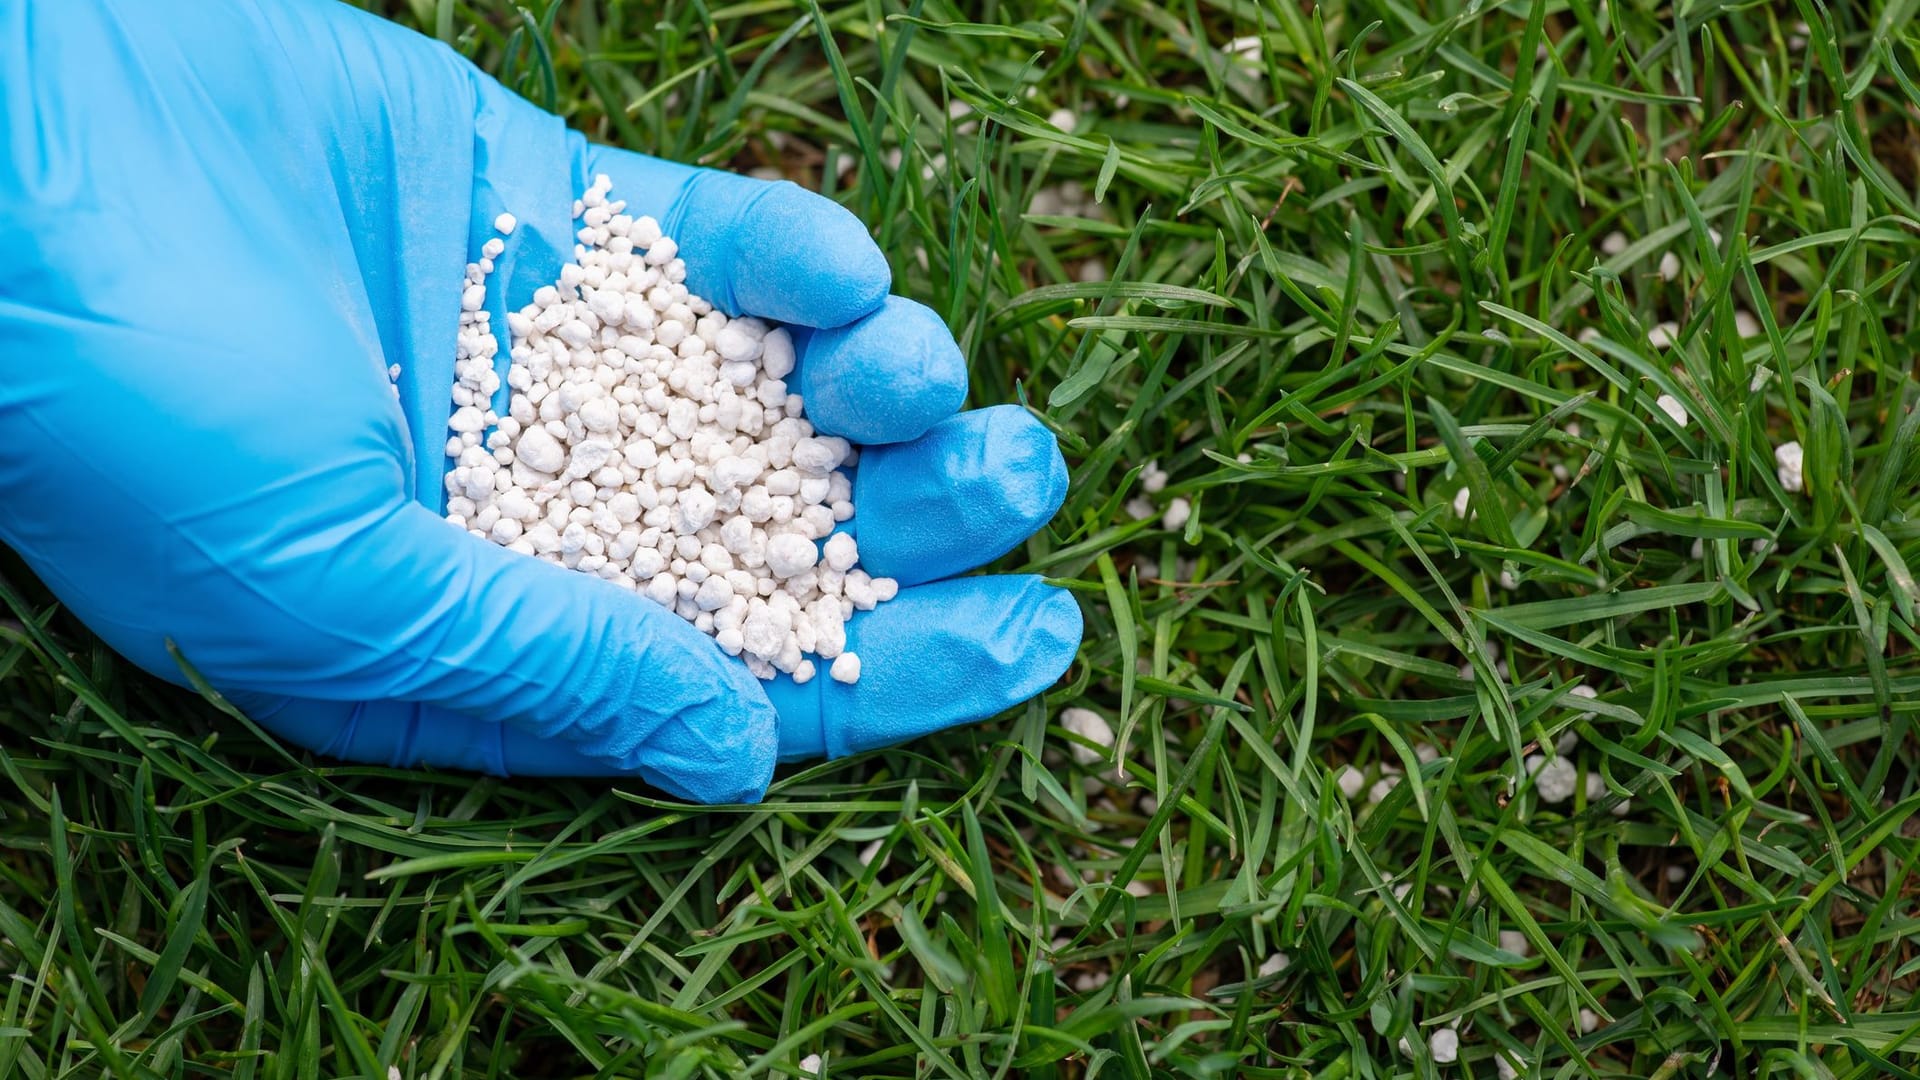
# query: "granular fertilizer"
x,y
653,441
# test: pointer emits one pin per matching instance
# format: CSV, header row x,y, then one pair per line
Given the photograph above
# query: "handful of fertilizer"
x,y
651,440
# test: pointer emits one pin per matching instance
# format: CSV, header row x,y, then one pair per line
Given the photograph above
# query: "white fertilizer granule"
x,y
1554,780
1247,49
1673,408
1790,463
1596,787
1088,981
1153,479
652,441
1178,512
1582,690
1090,726
1351,781
1381,789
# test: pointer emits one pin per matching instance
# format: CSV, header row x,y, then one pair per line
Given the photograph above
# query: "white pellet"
x,y
1554,781
539,450
859,591
1176,515
1789,461
1381,789
841,552
788,555
846,668
1088,981
1444,1045
1672,407
504,224
1088,725
1351,781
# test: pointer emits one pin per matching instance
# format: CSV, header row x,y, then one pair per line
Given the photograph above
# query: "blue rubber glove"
x,y
222,221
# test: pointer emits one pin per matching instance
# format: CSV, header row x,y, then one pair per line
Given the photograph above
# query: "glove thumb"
x,y
422,612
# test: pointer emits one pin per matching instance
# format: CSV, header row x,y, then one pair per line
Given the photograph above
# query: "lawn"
x,y
1464,333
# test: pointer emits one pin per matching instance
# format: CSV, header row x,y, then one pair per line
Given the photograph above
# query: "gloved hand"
x,y
223,221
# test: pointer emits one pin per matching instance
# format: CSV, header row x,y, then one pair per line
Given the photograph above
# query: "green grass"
x,y
1346,278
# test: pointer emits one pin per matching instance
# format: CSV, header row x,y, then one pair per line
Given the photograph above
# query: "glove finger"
x,y
884,379
752,247
406,734
936,655
958,497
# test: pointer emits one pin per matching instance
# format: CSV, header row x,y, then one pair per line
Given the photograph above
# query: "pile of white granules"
x,y
651,440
